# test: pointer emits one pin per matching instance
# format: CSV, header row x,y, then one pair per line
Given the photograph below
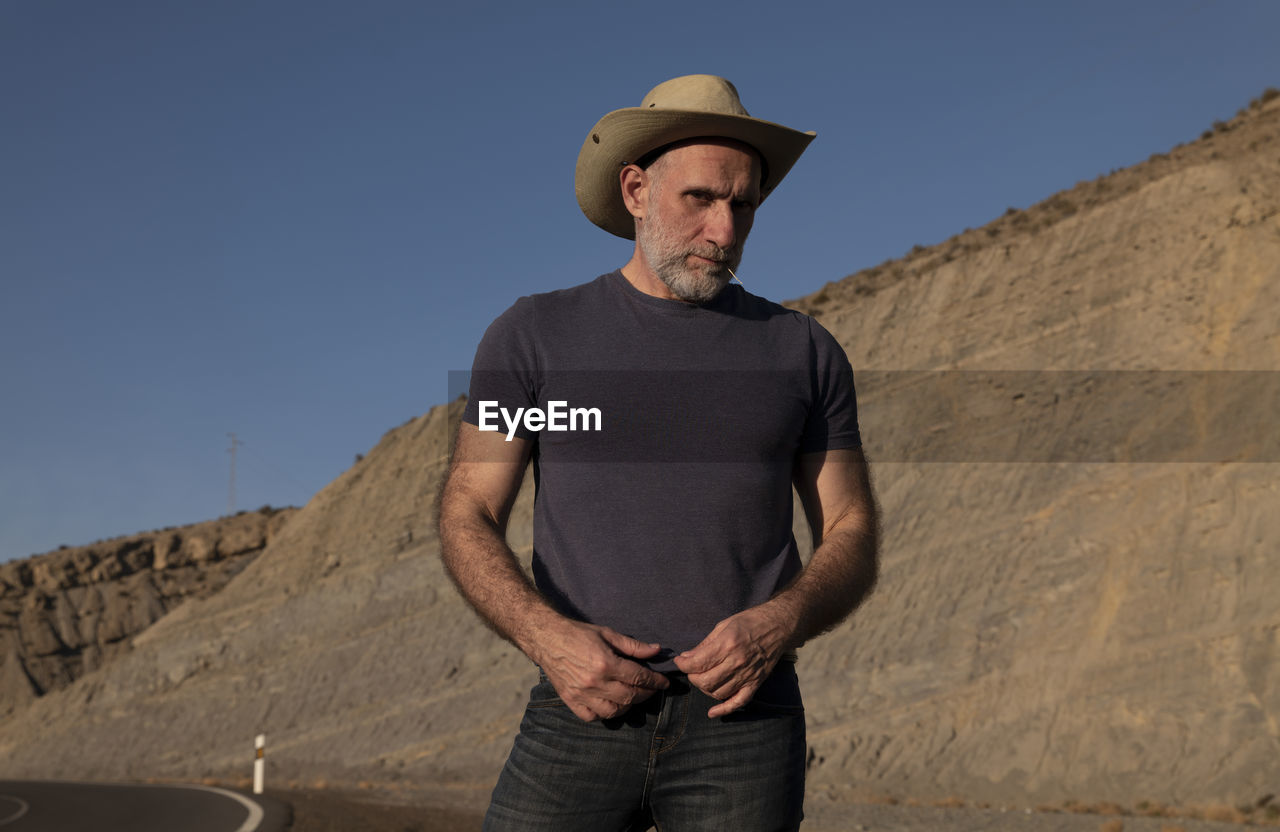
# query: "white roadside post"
x,y
259,762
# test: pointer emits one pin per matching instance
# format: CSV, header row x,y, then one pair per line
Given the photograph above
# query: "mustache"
x,y
724,256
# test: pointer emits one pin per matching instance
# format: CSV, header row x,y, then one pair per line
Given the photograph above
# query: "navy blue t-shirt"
x,y
669,434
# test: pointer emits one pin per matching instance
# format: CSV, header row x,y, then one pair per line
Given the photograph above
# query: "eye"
x,y
742,206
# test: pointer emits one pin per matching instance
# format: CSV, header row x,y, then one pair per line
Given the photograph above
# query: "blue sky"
x,y
290,220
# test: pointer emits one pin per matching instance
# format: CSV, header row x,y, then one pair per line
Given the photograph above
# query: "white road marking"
x,y
250,824
22,809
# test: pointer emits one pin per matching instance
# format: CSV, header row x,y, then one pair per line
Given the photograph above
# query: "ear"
x,y
635,190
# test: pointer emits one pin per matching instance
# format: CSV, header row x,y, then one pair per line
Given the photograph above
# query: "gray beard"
x,y
692,284
669,261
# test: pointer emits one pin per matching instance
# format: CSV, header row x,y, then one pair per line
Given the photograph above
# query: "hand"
x,y
737,656
589,668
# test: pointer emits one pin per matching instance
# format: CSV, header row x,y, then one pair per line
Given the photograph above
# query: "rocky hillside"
x,y
65,613
1053,627
1058,627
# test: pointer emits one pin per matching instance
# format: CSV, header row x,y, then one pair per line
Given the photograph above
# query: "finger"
x,y
721,676
581,711
642,678
592,707
635,675
730,687
605,708
623,694
708,653
739,699
743,675
688,664
628,646
698,660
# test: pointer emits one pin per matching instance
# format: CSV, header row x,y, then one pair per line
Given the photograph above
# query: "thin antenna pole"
x,y
231,490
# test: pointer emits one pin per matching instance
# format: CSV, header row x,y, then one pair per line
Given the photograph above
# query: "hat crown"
x,y
696,93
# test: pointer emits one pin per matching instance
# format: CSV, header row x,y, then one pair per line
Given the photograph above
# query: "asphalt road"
x,y
32,806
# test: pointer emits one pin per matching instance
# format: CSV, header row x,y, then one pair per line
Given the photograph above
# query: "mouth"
x,y
710,262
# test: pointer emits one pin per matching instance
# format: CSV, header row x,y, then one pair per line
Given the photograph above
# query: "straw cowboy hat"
x,y
688,107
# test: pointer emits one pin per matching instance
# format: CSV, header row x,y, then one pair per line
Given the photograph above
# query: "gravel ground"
x,y
327,810
879,818
339,811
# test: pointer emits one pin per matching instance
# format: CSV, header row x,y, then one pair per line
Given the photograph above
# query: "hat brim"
x,y
624,136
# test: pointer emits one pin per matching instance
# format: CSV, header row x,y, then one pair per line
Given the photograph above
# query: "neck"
x,y
639,275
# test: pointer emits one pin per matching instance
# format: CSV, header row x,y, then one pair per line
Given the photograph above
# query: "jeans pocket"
x,y
544,695
766,708
778,695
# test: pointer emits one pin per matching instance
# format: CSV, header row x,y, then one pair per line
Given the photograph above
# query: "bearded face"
x,y
700,208
693,272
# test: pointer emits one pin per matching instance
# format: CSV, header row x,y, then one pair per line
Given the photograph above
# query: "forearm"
x,y
595,670
488,575
591,667
839,577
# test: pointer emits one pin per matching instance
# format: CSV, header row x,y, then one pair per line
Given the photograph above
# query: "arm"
x,y
587,664
732,661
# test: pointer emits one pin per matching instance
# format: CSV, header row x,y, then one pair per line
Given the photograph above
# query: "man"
x,y
670,594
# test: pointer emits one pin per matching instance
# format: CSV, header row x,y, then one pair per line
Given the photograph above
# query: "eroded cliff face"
x,y
66,613
1042,629
1063,627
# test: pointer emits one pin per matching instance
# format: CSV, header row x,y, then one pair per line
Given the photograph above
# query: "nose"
x,y
721,225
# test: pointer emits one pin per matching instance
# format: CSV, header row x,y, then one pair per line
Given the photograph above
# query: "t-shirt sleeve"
x,y
833,414
505,372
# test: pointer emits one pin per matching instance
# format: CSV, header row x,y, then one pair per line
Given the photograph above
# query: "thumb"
x,y
628,646
696,660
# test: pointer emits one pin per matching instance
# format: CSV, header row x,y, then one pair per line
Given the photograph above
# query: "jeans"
x,y
662,764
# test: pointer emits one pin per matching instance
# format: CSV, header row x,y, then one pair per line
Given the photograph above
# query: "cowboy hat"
x,y
688,107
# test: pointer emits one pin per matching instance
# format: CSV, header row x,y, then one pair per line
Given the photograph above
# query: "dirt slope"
x,y
1052,630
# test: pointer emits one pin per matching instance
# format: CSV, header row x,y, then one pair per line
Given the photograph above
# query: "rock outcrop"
x,y
1061,628
65,613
